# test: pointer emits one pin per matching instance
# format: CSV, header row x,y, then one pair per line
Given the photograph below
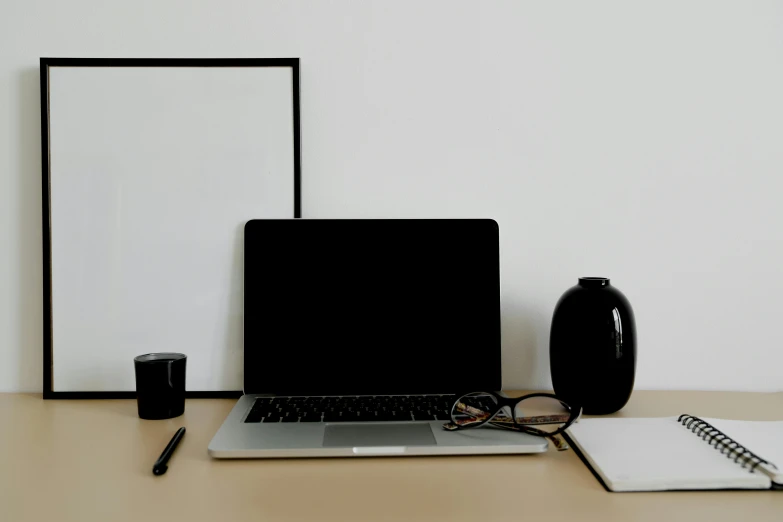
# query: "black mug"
x,y
160,385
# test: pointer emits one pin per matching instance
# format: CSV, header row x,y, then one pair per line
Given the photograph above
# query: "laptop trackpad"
x,y
353,435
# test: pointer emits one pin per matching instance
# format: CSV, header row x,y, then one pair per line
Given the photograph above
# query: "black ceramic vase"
x,y
592,347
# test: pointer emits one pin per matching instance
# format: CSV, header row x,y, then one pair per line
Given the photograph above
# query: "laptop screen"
x,y
360,307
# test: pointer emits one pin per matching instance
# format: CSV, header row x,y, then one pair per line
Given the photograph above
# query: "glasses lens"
x,y
473,409
545,414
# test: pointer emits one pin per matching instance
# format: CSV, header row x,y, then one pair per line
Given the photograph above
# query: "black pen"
x,y
160,466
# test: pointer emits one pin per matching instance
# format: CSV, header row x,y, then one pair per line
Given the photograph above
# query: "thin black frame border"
x,y
45,64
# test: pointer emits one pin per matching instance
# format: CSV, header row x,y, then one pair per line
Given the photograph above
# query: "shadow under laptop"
x,y
425,488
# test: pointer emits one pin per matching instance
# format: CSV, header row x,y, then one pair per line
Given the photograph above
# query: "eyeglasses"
x,y
541,414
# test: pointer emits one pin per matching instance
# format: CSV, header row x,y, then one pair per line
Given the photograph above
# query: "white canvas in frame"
x,y
153,172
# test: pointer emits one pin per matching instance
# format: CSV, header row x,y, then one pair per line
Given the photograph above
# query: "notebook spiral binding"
x,y
726,445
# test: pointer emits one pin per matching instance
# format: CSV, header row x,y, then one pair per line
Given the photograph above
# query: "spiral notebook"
x,y
681,453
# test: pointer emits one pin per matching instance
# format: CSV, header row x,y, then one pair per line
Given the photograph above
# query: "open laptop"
x,y
360,333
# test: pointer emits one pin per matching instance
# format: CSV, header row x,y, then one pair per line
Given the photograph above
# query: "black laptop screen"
x,y
371,306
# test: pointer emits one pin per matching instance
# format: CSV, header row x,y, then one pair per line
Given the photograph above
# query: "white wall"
x,y
642,141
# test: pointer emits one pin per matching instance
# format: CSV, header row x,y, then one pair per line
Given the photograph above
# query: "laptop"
x,y
359,334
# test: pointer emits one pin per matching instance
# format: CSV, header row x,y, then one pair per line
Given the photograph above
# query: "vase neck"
x,y
593,282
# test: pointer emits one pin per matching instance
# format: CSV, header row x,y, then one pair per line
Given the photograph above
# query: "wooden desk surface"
x,y
92,460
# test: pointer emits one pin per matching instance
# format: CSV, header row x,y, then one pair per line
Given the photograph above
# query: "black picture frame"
x,y
45,64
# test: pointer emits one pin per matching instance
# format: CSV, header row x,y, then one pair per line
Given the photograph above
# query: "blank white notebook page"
x,y
764,438
657,454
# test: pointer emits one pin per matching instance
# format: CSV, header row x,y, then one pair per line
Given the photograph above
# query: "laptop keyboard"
x,y
381,408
